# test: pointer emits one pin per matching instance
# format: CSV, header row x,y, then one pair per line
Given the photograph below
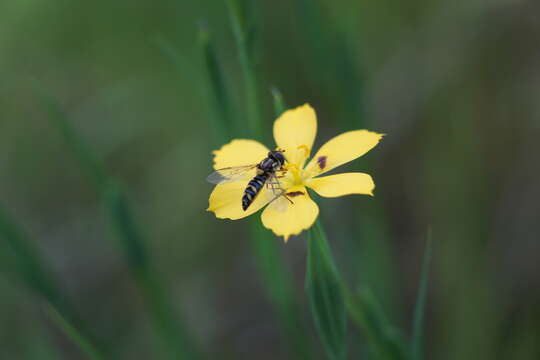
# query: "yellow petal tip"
x,y
286,236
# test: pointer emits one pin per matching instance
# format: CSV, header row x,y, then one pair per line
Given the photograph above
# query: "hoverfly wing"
x,y
278,200
228,174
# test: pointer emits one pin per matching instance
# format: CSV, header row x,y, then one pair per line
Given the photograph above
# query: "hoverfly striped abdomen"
x,y
253,188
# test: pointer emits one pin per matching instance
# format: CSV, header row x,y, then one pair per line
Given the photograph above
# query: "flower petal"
x,y
226,200
342,184
239,152
295,131
286,219
342,149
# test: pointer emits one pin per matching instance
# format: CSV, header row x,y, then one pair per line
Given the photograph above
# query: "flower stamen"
x,y
295,171
306,149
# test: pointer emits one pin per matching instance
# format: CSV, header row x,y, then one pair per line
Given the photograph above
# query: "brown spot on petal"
x,y
322,162
295,193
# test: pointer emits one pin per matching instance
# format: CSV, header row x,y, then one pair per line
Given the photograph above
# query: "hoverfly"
x,y
266,175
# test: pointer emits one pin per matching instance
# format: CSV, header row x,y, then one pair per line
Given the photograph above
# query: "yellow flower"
x,y
294,132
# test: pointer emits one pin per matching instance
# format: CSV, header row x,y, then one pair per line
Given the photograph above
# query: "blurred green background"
x,y
455,85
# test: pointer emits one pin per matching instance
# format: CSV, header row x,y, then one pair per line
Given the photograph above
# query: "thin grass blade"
x,y
217,91
40,346
279,102
178,343
338,71
384,340
30,266
419,310
243,30
182,64
82,342
32,269
324,289
28,263
88,161
279,289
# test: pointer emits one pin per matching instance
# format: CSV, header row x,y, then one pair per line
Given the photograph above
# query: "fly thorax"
x,y
267,164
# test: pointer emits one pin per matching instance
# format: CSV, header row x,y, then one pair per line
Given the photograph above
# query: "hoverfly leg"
x,y
288,198
278,192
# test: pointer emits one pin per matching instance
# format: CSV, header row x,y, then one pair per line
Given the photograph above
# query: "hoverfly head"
x,y
277,155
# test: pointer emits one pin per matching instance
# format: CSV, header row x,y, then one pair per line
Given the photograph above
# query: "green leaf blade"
x,y
386,341
323,286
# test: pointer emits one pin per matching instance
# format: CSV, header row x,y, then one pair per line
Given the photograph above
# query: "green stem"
x,y
325,292
243,35
329,294
280,291
223,124
417,337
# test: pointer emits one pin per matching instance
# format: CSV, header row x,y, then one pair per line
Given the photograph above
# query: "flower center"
x,y
296,174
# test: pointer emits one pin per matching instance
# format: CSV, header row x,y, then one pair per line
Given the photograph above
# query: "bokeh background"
x,y
455,85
